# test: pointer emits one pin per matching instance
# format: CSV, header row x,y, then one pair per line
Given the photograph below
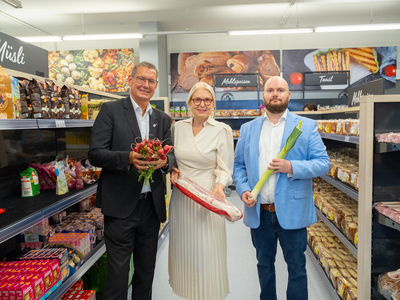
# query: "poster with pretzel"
x,y
189,68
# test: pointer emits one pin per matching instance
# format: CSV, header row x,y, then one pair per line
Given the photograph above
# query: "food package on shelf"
x,y
94,107
354,127
237,112
16,98
222,113
344,173
347,126
389,283
339,127
172,112
236,133
177,113
352,294
41,106
389,209
333,126
183,112
252,112
6,103
390,137
320,126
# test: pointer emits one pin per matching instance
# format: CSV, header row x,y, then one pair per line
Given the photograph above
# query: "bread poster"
x,y
105,70
189,68
364,64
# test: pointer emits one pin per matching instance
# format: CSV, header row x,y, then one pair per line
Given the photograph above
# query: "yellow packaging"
x,y
84,105
6,105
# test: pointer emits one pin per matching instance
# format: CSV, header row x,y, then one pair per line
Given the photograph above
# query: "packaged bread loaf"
x,y
237,112
333,126
354,128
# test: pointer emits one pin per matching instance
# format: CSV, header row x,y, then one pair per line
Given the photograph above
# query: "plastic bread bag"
x,y
389,283
208,199
62,186
78,175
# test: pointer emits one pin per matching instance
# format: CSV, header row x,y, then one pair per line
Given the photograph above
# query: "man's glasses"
x,y
206,101
142,80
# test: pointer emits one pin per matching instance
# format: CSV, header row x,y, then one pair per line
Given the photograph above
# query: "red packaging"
x,y
23,290
78,175
37,283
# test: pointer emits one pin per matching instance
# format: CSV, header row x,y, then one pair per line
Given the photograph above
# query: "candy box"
x,y
37,283
23,290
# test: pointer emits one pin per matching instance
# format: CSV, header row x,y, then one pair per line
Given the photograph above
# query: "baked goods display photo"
x,y
365,64
189,68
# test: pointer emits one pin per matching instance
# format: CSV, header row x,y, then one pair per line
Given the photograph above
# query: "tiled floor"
x,y
243,279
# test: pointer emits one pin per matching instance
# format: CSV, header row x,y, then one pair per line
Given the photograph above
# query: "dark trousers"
x,y
137,234
293,244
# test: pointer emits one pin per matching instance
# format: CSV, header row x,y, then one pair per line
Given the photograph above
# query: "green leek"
x,y
290,142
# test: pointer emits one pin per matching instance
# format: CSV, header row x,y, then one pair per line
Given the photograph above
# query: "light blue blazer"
x,y
293,196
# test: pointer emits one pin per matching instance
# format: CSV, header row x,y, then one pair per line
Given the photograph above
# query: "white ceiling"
x,y
118,16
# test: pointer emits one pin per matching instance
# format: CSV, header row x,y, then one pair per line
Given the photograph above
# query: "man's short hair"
x,y
143,64
311,106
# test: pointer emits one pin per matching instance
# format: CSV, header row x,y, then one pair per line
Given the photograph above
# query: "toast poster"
x,y
189,68
105,70
365,64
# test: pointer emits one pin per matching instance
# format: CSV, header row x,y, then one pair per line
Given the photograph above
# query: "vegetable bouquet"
x,y
290,142
147,148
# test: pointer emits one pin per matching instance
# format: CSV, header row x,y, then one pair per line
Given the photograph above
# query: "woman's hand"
x,y
174,175
219,189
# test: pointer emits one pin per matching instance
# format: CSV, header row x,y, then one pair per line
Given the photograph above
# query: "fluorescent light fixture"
x,y
272,31
38,39
13,3
117,36
363,27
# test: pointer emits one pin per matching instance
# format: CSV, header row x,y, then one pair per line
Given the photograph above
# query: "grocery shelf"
x,y
337,232
23,213
341,138
44,124
332,111
341,186
94,255
11,124
322,274
383,220
224,118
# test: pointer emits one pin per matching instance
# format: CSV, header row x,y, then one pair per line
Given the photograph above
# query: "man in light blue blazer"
x,y
284,206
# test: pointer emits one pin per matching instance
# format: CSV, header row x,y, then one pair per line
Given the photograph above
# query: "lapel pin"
x,y
154,125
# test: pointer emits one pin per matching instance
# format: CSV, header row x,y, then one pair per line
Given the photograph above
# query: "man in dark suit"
x,y
133,210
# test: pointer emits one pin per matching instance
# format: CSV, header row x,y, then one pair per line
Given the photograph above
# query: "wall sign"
x,y
24,57
236,80
376,87
325,78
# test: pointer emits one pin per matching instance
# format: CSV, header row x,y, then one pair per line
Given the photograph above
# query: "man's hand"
x,y
135,159
280,166
174,175
245,198
219,189
157,162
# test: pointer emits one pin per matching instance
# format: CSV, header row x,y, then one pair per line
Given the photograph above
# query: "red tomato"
x,y
390,71
296,78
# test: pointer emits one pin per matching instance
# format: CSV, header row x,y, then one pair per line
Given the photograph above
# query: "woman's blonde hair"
x,y
204,86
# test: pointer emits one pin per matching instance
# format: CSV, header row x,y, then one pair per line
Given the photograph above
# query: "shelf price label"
x,y
60,123
347,139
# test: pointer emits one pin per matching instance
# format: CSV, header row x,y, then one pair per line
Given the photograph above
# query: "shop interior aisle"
x,y
242,269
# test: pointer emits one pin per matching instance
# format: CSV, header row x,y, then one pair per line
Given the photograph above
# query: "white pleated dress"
x,y
197,237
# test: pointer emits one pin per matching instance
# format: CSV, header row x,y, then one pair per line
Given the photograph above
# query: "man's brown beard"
x,y
277,108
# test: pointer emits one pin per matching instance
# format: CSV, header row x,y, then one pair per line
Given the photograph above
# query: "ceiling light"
x,y
117,36
271,31
38,39
364,27
13,3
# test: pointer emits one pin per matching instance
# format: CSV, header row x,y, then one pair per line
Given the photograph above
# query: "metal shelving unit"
x,y
383,220
337,232
341,186
11,124
97,252
58,203
322,274
341,138
45,124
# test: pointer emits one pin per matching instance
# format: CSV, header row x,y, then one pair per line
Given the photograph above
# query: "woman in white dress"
x,y
197,239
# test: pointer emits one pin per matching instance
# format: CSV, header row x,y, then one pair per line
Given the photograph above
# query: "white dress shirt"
x,y
143,122
269,148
